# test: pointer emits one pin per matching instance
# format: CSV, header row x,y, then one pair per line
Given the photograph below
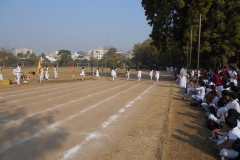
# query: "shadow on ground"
x,y
27,138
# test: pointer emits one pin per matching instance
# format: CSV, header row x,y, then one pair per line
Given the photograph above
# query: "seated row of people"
x,y
219,96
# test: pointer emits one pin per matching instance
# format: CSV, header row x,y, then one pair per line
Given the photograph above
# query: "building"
x,y
54,55
97,53
51,59
24,51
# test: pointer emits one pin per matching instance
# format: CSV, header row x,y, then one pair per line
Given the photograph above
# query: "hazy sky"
x,y
76,25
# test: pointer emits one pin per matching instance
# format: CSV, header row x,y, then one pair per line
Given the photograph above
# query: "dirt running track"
x,y
85,120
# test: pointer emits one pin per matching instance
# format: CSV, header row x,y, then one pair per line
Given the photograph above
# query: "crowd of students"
x,y
216,91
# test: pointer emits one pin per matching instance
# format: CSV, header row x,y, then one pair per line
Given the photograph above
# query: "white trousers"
x,y
228,153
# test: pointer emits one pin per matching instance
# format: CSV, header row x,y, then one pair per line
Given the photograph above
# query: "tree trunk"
x,y
224,60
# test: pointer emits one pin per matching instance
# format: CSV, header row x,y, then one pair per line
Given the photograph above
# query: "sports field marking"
x,y
73,151
44,88
52,126
59,105
46,94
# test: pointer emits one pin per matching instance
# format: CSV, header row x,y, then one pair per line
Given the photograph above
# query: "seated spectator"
x,y
213,103
191,88
233,104
226,148
200,90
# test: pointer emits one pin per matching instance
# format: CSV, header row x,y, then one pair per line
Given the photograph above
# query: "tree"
x,y
65,57
43,55
111,56
20,55
5,54
221,34
33,59
172,22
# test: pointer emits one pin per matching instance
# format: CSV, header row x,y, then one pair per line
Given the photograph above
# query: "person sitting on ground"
x,y
220,135
226,148
207,98
200,90
233,104
191,88
221,110
213,104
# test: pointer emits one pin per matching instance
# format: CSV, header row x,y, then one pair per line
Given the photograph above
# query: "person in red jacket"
x,y
218,83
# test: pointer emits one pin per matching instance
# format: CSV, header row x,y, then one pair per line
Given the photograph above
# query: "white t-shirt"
x,y
151,73
233,105
234,134
214,101
201,91
139,73
220,111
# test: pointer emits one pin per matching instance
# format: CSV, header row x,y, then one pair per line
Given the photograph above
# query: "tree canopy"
x,y
172,22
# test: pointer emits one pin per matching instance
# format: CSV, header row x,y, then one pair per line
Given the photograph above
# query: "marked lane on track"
x,y
53,90
47,94
58,106
52,126
71,153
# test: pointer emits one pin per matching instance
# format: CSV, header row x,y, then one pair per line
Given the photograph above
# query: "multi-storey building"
x,y
97,53
24,51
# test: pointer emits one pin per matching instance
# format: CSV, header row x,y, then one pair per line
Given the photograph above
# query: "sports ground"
x,y
100,119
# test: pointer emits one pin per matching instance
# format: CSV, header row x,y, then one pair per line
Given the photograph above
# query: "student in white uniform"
x,y
18,73
151,73
226,148
113,73
97,73
1,77
200,90
128,73
157,75
55,72
41,74
139,74
233,75
46,73
82,73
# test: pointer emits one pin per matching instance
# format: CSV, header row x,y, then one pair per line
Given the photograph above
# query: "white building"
x,y
51,59
74,55
54,55
97,53
24,51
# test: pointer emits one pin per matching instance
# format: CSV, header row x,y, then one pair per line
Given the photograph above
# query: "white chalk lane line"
x,y
43,89
72,152
54,125
58,106
47,94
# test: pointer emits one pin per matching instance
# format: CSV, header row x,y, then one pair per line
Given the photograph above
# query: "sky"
x,y
46,26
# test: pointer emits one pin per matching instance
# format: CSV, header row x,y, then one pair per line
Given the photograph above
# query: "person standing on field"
x,y
151,73
139,75
1,77
83,73
19,73
97,73
113,73
55,72
128,73
157,74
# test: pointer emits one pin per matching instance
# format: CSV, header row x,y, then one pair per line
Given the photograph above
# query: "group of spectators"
x,y
216,91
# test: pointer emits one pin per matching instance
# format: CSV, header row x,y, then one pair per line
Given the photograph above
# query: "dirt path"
x,y
187,132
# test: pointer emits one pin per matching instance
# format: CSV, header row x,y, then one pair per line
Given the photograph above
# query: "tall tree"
x,y
65,57
111,56
172,21
5,54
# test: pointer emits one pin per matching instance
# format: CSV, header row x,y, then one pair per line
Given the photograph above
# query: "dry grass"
x,y
64,73
187,132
